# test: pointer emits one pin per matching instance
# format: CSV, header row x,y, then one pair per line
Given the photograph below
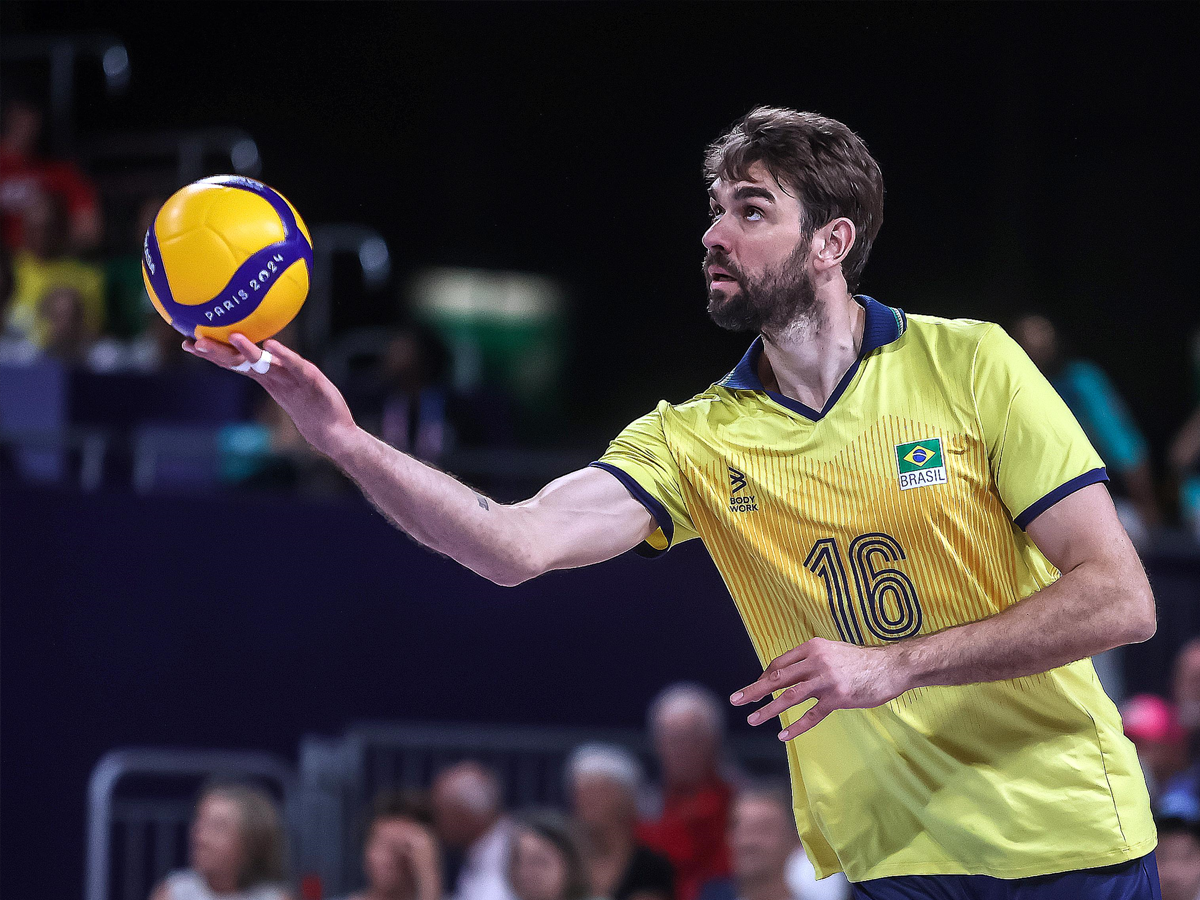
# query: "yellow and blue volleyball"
x,y
227,254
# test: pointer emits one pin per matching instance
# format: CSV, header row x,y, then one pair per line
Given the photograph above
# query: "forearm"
x,y
1090,609
436,510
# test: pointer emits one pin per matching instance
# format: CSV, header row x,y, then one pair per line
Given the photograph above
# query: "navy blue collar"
x,y
883,326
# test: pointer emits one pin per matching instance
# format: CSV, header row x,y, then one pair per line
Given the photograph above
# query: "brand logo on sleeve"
x,y
920,463
739,500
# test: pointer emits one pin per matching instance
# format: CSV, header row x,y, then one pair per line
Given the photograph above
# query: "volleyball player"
x,y
914,528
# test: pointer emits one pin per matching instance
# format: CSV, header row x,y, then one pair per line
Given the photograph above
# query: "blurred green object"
x,y
505,330
125,300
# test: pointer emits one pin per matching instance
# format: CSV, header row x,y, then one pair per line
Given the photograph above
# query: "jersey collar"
x,y
884,325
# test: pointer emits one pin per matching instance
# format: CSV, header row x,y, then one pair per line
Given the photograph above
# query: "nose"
x,y
716,237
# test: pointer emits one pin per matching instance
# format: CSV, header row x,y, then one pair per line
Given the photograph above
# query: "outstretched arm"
x,y
582,518
1102,600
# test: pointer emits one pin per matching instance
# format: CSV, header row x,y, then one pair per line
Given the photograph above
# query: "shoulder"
x,y
940,336
183,884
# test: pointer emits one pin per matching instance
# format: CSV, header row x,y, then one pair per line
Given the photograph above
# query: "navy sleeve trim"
x,y
1063,490
644,497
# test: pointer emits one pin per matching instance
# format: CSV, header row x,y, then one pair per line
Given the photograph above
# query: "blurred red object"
x,y
1150,718
311,887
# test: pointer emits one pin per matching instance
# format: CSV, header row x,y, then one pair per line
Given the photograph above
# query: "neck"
x,y
396,893
221,883
769,887
806,360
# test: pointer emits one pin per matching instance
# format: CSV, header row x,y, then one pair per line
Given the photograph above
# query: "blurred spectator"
x,y
467,818
404,398
1184,453
236,849
1184,458
1095,402
401,858
768,860
26,178
603,781
65,331
687,726
546,862
44,265
1185,688
1178,851
1153,726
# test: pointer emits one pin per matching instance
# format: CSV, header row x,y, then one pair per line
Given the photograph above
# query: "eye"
x,y
753,213
713,212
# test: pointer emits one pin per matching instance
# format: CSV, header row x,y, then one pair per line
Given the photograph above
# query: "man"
x,y
688,728
913,527
1103,414
468,819
602,783
768,863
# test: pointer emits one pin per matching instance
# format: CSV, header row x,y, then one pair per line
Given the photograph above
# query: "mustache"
x,y
717,258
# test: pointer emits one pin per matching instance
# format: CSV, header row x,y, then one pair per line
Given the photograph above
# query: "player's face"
x,y
755,267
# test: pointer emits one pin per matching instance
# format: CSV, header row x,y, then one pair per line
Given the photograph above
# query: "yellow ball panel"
x,y
185,210
246,221
198,264
283,300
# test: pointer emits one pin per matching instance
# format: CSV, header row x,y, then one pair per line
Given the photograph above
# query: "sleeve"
x,y
641,460
1037,451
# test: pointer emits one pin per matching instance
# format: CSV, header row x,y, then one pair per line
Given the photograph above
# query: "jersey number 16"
x,y
887,598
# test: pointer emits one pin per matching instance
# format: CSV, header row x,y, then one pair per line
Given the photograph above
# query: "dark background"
x,y
1035,155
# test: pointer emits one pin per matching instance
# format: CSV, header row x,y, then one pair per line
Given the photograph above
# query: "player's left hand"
x,y
836,675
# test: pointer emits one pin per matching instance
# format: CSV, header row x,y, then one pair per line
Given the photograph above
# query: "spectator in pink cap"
x,y
1152,723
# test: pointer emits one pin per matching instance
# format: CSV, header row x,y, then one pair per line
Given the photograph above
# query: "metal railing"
x,y
150,827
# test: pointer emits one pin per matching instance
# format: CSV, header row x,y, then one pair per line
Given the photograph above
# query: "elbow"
x,y
516,570
1142,619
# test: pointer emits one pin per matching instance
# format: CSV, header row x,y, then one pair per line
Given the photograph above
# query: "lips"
x,y
716,273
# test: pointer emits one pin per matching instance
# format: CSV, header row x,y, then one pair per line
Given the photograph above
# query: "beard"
x,y
768,304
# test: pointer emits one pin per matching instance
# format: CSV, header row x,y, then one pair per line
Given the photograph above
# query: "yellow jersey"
x,y
899,509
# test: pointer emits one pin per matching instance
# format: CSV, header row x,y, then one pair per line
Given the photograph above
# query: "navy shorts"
x,y
1133,880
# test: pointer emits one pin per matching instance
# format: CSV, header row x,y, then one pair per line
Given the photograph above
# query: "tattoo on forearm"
x,y
482,501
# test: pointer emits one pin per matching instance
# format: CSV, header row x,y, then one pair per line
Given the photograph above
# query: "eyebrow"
x,y
746,193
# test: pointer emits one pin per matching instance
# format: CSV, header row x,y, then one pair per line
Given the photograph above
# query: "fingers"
x,y
240,350
815,714
773,678
793,696
215,352
247,348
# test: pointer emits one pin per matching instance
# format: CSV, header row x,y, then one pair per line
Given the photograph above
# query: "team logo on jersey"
x,y
739,500
920,463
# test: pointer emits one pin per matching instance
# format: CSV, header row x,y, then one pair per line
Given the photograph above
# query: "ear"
x,y
832,243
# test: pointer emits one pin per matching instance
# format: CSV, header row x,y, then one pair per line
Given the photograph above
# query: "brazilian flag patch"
x,y
920,463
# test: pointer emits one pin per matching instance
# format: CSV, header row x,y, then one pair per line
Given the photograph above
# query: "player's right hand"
x,y
306,395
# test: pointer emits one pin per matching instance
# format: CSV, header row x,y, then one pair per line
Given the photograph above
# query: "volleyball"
x,y
227,254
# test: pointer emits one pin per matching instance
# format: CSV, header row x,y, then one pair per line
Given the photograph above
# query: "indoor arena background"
x,y
542,161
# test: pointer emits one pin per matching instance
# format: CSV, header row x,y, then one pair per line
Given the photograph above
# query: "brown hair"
x,y
261,831
824,162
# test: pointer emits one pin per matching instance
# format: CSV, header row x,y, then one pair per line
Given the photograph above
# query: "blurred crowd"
x,y
71,290
703,832
1166,732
